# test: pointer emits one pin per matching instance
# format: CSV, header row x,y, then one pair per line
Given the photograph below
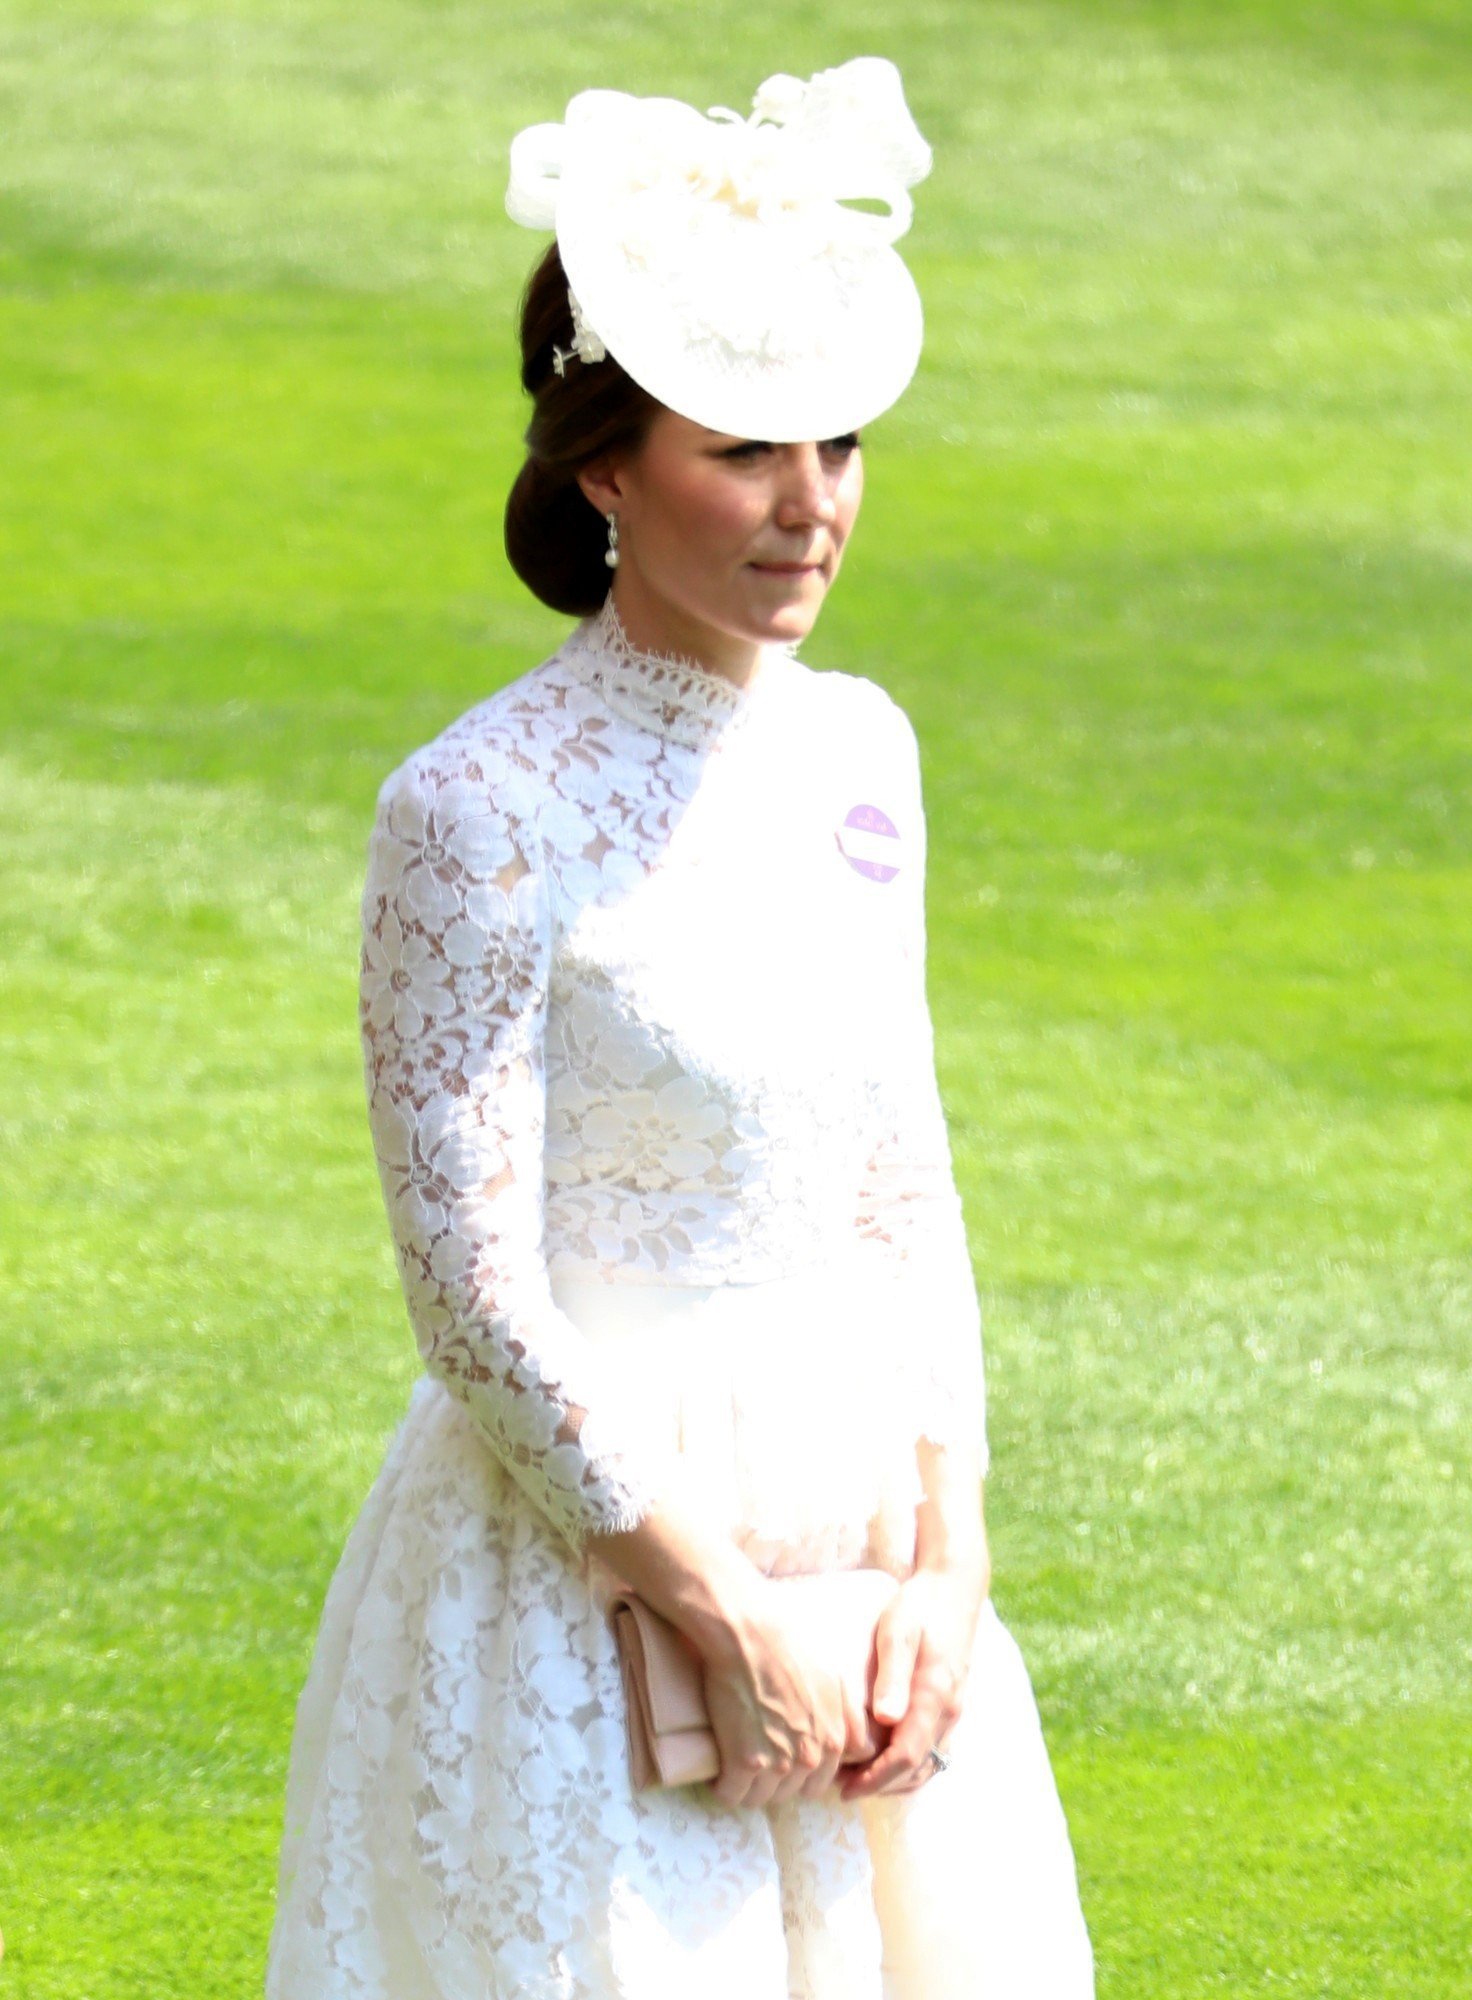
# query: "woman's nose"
x,y
807,493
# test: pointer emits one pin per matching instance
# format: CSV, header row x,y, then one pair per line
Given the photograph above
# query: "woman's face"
x,y
728,536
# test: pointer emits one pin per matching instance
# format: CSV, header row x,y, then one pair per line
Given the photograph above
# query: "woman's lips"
x,y
786,569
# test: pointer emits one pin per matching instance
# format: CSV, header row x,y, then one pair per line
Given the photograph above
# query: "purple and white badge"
x,y
869,842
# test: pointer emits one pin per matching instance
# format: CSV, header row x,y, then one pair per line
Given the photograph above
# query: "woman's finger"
x,y
906,1751
896,1643
820,1777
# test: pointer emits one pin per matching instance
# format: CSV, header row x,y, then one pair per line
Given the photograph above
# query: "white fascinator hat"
x,y
723,262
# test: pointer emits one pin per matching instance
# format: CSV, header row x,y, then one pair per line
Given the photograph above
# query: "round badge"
x,y
869,842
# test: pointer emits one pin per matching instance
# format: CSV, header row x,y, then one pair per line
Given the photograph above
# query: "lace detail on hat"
x,y
670,694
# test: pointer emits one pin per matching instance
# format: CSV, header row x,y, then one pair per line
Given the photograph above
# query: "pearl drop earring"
x,y
610,554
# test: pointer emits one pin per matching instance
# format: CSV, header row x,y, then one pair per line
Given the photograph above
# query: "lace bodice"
x,y
643,995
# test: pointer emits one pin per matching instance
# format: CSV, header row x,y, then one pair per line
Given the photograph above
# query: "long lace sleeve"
x,y
457,942
909,1211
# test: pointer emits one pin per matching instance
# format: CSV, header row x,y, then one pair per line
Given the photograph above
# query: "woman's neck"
x,y
654,625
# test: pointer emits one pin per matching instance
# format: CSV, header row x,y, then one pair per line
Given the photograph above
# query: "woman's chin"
x,y
786,632
784,622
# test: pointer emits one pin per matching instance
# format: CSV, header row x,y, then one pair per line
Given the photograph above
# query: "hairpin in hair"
x,y
586,344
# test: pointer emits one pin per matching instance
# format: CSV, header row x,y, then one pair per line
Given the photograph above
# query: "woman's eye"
x,y
751,449
755,447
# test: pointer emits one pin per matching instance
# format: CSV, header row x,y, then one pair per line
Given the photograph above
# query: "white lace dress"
x,y
652,1092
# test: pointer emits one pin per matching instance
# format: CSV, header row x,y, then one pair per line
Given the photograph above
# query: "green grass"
x,y
1169,554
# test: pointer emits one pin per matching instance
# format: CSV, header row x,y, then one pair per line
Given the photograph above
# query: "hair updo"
x,y
555,537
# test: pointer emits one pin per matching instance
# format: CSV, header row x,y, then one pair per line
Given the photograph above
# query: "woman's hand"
x,y
923,1645
785,1709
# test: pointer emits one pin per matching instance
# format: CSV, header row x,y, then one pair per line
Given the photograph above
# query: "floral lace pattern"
x,y
648,1058
460,1823
627,1007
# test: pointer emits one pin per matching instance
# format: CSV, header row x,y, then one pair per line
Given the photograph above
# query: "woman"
x,y
652,1092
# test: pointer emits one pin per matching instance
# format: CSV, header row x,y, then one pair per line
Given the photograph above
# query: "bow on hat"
x,y
806,150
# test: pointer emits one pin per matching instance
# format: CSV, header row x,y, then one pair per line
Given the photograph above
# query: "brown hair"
x,y
555,537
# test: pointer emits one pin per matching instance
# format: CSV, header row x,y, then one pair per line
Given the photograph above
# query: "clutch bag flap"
x,y
669,1734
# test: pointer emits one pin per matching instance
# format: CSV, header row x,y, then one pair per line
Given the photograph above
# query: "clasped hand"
x,y
791,1720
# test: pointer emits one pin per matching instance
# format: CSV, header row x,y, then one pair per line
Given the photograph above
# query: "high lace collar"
x,y
674,696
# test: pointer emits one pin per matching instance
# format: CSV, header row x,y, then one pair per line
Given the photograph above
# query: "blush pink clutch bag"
x,y
671,1741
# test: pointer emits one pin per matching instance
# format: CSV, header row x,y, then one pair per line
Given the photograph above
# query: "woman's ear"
x,y
602,485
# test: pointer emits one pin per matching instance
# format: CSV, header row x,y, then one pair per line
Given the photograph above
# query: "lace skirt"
x,y
460,1823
